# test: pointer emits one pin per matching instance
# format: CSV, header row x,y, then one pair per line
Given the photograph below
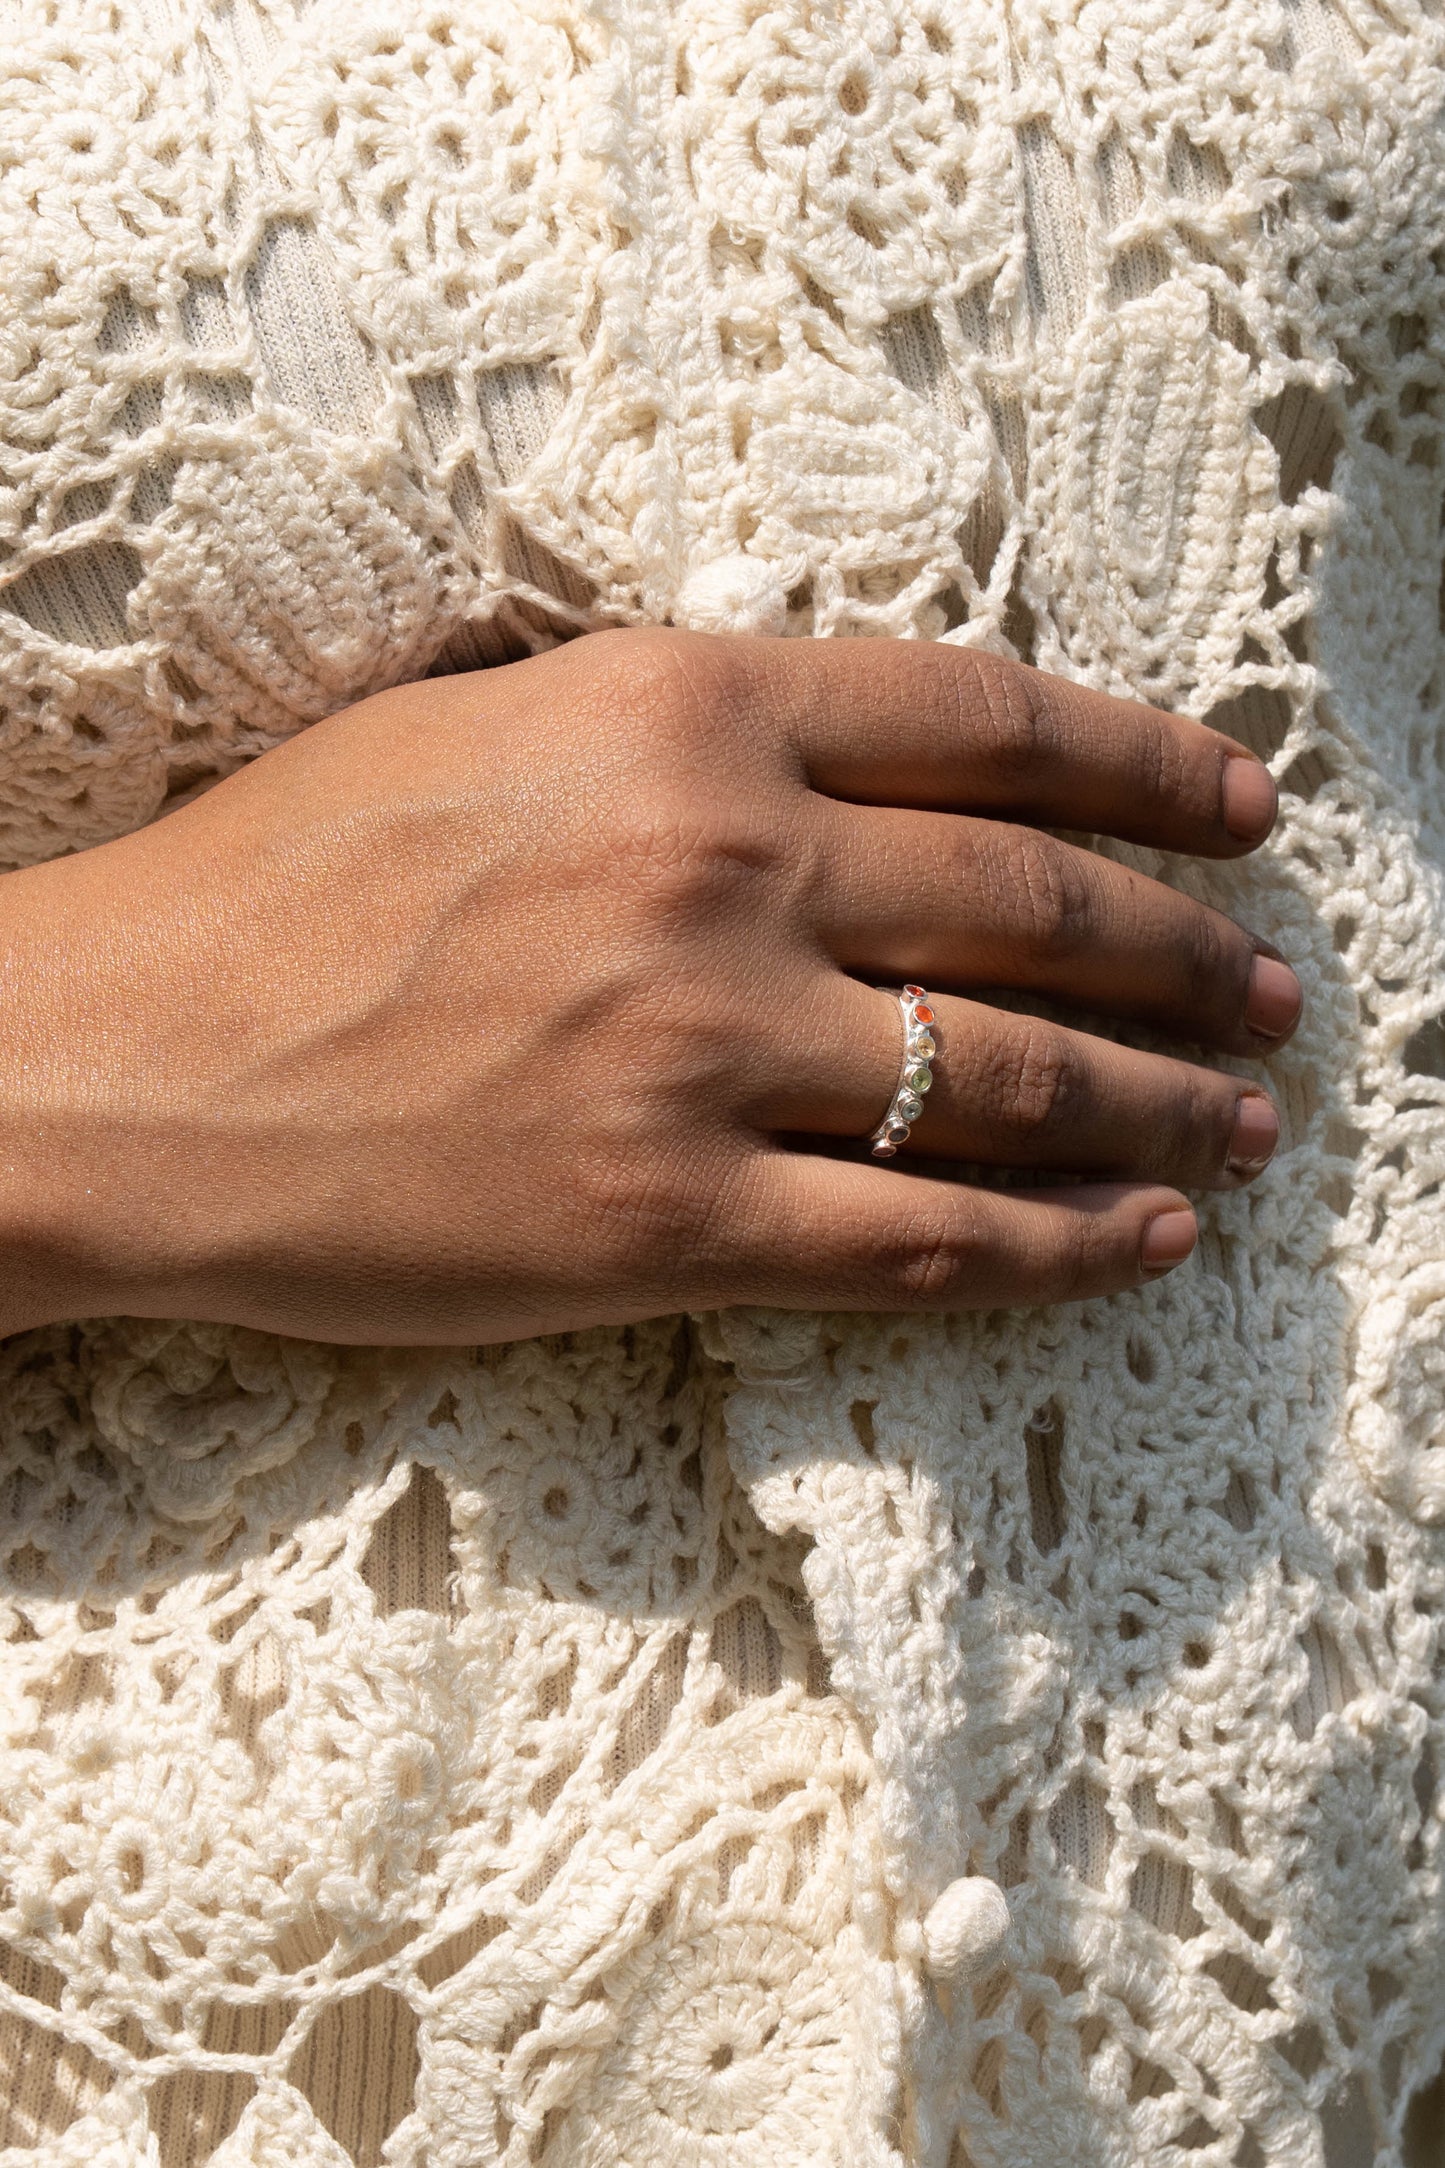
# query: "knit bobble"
x,y
733,594
965,1930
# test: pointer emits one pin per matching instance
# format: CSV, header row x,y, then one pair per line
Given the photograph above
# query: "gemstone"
x,y
910,1106
884,1150
922,1014
922,1047
920,1079
917,992
896,1130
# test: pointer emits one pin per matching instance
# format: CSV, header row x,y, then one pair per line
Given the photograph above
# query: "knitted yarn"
x,y
751,1742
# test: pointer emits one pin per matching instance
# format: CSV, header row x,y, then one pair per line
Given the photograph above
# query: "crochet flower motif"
x,y
199,1408
741,2041
579,1514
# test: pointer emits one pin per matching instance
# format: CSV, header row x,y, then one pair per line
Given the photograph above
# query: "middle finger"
x,y
958,901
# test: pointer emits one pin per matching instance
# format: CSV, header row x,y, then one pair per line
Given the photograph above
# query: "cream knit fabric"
x,y
1000,1742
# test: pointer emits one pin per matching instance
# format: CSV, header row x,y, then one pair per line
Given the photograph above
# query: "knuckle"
x,y
1052,893
1044,1086
662,689
1009,718
933,1262
685,855
1163,767
649,1209
699,674
644,665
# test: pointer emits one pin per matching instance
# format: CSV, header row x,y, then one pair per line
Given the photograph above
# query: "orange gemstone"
x,y
916,991
923,1014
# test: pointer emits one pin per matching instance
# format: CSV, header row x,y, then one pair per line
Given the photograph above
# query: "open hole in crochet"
x,y
126,325
524,557
315,357
745,1646
1162,1892
252,1689
1136,270
860,1414
514,625
408,1562
1301,425
151,490
916,350
143,408
206,318
217,395
1227,1897
1259,717
520,406
1055,274
1423,1053
1423,2126
438,410
86,501
1043,1447
1082,1829
1162,1887
192,2111
1149,2082
458,1950
1194,170
357,2067
79,596
1329,1682
45,2080
649,1713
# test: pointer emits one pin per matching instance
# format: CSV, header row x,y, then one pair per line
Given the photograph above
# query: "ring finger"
x,y
1017,1091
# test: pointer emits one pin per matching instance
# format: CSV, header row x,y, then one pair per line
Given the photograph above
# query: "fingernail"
x,y
1256,1133
1249,798
1274,1000
1168,1239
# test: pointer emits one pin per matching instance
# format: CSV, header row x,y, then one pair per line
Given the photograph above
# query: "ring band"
x,y
914,1075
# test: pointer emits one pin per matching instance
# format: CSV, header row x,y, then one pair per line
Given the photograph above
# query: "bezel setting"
x,y
915,1077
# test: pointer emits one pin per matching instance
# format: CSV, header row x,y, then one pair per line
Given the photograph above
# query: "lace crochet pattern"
x,y
751,1742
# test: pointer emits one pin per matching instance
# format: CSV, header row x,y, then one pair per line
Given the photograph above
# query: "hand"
x,y
480,1010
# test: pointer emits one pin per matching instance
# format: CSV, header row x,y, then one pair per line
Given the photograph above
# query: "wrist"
x,y
72,1033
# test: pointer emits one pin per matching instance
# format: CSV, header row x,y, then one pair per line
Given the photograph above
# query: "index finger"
x,y
920,724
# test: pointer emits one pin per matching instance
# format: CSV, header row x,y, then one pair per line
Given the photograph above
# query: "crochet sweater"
x,y
999,1741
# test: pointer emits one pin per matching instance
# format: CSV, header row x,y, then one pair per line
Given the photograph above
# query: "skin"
x,y
542,997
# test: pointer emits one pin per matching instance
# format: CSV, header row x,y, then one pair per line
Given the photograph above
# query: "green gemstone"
x,y
920,1079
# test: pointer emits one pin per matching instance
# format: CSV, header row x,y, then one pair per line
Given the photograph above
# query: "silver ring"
x,y
915,1077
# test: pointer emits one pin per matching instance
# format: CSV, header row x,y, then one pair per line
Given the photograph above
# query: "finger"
x,y
921,724
826,1234
955,901
1016,1091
